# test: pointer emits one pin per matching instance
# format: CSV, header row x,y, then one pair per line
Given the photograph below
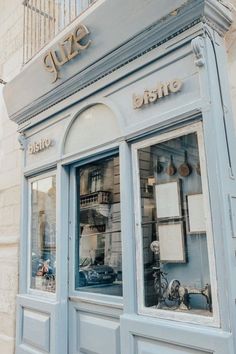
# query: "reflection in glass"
x,y
98,251
43,234
175,254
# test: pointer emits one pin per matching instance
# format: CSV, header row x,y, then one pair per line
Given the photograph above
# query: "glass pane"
x,y
43,234
98,251
175,254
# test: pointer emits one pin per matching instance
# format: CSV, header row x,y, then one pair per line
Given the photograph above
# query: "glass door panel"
x,y
98,239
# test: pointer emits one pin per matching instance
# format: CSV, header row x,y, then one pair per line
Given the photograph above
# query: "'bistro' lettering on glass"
x,y
68,49
162,90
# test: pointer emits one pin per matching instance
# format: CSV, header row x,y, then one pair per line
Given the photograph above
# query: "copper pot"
x,y
185,168
171,169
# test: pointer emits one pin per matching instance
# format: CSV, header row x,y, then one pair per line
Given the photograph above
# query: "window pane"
x,y
98,253
175,254
43,234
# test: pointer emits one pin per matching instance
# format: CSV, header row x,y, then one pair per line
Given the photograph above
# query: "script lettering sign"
x,y
71,46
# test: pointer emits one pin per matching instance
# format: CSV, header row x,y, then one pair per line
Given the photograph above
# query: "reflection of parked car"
x,y
91,274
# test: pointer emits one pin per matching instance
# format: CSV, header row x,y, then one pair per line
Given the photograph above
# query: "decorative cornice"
x,y
218,16
93,74
22,141
182,18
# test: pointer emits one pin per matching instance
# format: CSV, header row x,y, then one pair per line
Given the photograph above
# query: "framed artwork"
x,y
167,196
196,214
171,238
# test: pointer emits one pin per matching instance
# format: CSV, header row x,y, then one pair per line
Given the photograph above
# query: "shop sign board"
x,y
67,66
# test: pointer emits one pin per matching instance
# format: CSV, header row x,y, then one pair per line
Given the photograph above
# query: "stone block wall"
x,y
11,35
230,41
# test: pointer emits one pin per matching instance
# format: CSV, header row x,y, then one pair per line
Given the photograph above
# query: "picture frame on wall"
x,y
196,214
168,202
172,245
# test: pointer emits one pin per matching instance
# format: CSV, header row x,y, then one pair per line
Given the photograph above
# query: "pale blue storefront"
x,y
88,115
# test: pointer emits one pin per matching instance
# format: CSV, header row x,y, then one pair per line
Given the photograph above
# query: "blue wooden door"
x,y
95,259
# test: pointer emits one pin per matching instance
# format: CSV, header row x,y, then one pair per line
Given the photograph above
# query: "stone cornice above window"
x,y
218,15
142,30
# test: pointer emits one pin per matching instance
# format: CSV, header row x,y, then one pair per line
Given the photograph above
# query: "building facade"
x,y
126,170
11,44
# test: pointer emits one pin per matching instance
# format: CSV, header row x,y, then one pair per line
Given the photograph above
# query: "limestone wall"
x,y
11,15
230,41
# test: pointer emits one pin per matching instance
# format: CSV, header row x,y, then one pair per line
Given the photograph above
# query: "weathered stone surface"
x,y
230,41
10,63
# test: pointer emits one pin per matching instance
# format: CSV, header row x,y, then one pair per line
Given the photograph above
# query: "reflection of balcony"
x,y
94,207
92,199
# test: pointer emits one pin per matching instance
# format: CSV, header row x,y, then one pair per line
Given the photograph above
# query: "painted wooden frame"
x,y
142,309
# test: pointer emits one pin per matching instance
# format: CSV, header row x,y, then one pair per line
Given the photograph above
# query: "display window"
x,y
42,230
175,255
98,258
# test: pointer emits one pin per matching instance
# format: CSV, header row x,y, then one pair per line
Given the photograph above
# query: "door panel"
x,y
95,258
146,346
91,331
104,333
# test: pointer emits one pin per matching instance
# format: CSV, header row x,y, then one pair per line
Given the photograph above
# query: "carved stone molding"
x,y
198,50
217,15
22,141
141,35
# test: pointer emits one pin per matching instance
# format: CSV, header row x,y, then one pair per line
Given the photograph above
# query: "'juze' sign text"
x,y
69,48
160,91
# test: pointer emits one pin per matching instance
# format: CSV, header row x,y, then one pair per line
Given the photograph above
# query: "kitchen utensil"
x,y
185,168
159,167
171,169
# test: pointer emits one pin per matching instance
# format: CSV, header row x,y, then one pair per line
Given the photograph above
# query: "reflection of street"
x,y
114,289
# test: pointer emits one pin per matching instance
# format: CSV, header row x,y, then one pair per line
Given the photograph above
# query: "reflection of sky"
x,y
43,185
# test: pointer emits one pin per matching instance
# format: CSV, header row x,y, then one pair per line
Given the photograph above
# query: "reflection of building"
x,y
43,219
100,213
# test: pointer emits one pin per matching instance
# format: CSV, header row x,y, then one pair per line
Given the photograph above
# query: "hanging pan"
x,y
185,169
159,167
171,169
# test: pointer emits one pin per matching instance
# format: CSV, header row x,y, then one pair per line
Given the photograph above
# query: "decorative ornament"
x,y
198,50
